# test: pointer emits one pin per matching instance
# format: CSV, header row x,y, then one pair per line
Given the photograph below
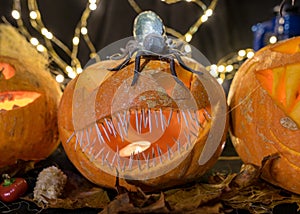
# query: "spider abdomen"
x,y
155,43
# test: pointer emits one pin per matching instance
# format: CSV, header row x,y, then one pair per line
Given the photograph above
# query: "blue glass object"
x,y
282,27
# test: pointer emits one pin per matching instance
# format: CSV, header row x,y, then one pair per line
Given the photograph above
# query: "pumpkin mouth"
x,y
141,139
11,100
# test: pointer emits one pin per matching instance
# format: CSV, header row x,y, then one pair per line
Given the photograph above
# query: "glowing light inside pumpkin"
x,y
15,99
134,148
6,70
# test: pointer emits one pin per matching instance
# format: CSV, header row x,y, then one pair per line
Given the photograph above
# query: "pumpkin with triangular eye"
x,y
28,102
265,112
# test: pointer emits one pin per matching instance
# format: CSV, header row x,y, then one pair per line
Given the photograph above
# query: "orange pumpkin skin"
x,y
27,132
264,112
187,170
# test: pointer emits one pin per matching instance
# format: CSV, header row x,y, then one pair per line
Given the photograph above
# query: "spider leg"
x,y
137,67
124,63
182,64
173,71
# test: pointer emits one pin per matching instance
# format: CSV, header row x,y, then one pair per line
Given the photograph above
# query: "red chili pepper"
x,y
12,188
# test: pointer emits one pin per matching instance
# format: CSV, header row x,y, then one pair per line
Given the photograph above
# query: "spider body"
x,y
151,43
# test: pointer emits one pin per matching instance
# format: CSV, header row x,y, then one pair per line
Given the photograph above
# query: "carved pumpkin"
x,y
29,98
265,112
147,133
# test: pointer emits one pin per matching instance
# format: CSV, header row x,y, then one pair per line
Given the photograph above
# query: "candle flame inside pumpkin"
x,y
15,99
134,148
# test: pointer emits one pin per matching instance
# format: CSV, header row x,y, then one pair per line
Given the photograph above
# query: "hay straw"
x,y
14,45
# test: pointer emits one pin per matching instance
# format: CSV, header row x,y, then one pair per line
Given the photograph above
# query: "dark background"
x,y
228,30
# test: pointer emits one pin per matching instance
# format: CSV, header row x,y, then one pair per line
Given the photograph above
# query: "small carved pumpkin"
x,y
265,112
29,98
155,134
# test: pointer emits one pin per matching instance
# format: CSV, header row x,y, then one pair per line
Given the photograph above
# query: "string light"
x,y
70,67
242,53
75,40
79,70
15,14
204,18
188,37
273,39
226,68
84,30
93,6
209,12
33,15
60,78
34,41
40,48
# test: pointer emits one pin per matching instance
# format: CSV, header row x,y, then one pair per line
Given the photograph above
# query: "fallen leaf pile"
x,y
222,193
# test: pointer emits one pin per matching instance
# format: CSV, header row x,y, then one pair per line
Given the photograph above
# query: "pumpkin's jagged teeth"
x,y
99,153
145,118
107,155
124,123
119,161
117,126
123,167
130,161
150,121
193,133
137,122
78,138
120,132
156,119
147,161
153,157
138,162
196,120
185,119
177,141
178,116
188,137
162,120
88,140
108,126
207,115
144,155
91,149
71,137
114,158
170,117
170,153
99,135
105,132
159,152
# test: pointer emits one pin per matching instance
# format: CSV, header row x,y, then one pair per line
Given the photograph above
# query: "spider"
x,y
151,43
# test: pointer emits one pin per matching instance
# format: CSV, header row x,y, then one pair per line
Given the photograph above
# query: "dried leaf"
x,y
250,193
213,209
248,175
193,197
122,204
93,198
